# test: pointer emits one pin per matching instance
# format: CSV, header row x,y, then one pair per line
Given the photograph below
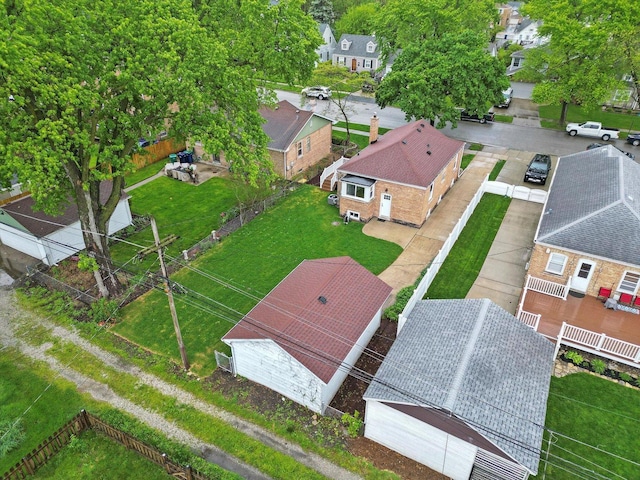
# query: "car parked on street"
x,y
473,117
634,139
321,93
538,169
591,146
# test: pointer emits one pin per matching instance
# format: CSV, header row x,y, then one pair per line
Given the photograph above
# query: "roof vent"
x,y
630,198
422,125
297,111
428,152
322,300
419,129
404,142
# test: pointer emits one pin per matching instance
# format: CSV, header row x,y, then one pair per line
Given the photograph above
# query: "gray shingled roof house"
x,y
359,53
463,388
302,339
589,231
48,238
298,138
328,45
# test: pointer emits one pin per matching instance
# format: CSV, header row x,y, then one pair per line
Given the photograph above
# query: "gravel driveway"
x,y
10,317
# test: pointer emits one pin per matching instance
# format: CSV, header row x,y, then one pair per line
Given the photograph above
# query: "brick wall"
x,y
409,205
320,148
606,273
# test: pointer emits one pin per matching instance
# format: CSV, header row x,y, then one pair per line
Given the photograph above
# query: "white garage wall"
x,y
419,441
266,363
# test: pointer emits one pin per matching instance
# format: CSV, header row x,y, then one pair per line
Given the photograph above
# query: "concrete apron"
x,y
422,245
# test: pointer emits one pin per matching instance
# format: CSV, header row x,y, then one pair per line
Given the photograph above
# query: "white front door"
x,y
385,206
582,276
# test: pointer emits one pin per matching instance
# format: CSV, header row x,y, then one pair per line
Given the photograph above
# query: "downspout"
x,y
284,163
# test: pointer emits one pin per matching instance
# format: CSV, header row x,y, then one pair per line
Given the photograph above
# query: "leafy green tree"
x,y
504,54
358,20
577,66
431,78
322,11
340,7
81,81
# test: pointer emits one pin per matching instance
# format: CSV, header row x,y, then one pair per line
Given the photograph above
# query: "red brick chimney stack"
x,y
373,129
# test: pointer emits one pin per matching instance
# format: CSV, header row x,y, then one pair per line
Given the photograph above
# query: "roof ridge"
x,y
466,357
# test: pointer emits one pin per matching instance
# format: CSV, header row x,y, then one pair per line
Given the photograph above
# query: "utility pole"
x,y
167,289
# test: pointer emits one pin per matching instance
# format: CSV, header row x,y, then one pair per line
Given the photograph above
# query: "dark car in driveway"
x,y
473,117
591,146
538,169
634,139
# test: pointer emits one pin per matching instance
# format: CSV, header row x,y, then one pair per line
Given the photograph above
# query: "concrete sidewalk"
x,y
502,275
422,245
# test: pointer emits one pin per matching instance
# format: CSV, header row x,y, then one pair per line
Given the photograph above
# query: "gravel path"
x,y
10,315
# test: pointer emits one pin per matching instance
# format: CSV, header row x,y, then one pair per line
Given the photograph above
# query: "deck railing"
x,y
548,288
599,344
529,319
330,171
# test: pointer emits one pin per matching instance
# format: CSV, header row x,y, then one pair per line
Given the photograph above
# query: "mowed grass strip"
x,y
228,280
596,412
462,266
144,172
209,429
188,211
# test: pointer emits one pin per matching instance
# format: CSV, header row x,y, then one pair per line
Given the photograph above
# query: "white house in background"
x,y
464,391
359,53
328,45
52,239
303,338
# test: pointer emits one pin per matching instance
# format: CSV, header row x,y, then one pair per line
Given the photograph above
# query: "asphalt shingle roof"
x,y
39,223
594,205
477,361
358,46
283,124
413,154
317,313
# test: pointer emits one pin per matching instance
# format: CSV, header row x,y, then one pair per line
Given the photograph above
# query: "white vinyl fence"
x,y
330,171
516,191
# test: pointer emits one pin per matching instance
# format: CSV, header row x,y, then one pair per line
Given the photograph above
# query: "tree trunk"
x,y
94,221
563,112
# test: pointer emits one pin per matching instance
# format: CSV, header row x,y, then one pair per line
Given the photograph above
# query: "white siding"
x,y
342,372
56,243
121,217
266,363
419,441
22,241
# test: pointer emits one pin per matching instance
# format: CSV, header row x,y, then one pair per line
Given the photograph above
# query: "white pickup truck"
x,y
592,129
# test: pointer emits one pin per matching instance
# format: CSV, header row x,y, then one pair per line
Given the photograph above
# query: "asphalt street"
x,y
518,137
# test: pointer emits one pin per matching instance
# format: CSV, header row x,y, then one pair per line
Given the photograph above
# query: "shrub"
x,y
11,435
353,423
624,376
574,357
598,366
103,310
393,312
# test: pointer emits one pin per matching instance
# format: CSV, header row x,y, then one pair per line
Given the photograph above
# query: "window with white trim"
x,y
357,191
431,191
309,143
368,63
342,60
299,148
371,47
629,282
556,263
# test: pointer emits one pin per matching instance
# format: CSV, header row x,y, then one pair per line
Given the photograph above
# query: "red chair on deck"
x,y
604,293
636,302
625,299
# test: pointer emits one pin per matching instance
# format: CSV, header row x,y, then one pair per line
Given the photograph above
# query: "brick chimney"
x,y
373,129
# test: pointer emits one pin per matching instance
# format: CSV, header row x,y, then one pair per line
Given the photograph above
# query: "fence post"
x,y
213,235
165,463
601,341
637,357
185,254
86,421
560,335
189,472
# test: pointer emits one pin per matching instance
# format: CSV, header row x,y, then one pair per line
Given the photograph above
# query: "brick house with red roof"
x,y
302,339
298,139
402,176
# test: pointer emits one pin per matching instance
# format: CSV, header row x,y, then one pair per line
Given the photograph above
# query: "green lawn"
x,y
504,118
466,160
93,455
144,173
463,264
599,413
189,211
624,122
253,259
495,171
361,127
361,140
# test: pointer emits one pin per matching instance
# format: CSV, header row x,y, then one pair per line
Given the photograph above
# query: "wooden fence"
x,y
78,424
157,152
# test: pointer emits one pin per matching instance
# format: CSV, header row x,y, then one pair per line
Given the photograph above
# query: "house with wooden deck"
x,y
463,390
303,338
